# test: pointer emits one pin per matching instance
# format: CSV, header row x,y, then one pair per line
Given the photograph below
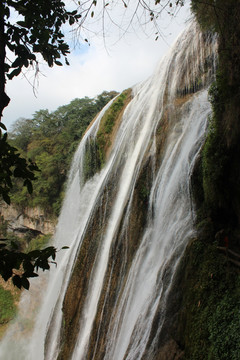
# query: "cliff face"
x,y
34,220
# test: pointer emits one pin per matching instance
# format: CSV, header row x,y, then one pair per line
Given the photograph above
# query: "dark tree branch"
x,y
4,99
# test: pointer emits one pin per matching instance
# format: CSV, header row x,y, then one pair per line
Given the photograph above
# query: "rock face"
x,y
21,221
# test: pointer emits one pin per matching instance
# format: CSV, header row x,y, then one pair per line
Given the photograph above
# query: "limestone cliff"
x,y
21,221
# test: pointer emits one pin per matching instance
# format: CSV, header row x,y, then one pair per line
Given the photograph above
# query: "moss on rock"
x,y
209,323
109,125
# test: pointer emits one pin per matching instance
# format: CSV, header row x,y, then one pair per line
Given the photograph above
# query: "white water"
x,y
165,237
169,226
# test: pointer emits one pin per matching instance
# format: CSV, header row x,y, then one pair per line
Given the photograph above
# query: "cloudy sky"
x,y
116,65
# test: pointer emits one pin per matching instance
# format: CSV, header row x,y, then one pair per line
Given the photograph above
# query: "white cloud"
x,y
130,60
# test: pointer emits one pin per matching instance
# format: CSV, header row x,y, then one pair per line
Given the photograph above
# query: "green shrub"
x,y
39,242
224,328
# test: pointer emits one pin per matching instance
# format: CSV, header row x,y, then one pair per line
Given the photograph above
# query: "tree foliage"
x,y
12,165
20,266
39,30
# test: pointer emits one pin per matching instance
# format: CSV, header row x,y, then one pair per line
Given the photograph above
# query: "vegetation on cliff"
x,y
97,150
108,122
209,326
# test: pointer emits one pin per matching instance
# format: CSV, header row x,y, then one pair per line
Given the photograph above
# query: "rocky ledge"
x,y
25,220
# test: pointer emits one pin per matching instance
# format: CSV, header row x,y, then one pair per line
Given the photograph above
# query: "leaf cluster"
x,y
21,266
39,30
12,165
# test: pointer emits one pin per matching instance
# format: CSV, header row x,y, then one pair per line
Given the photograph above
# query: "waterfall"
x,y
127,226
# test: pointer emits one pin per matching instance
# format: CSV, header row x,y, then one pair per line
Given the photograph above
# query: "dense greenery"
x,y
13,166
38,31
50,139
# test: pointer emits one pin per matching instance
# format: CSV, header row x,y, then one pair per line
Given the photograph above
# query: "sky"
x,y
118,64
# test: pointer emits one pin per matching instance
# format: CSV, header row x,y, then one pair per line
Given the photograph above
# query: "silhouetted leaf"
x,y
3,126
17,281
25,283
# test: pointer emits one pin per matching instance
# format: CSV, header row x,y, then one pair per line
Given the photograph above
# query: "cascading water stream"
x,y
165,237
133,150
143,283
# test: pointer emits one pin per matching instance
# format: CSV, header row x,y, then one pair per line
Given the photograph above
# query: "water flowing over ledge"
x,y
128,225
